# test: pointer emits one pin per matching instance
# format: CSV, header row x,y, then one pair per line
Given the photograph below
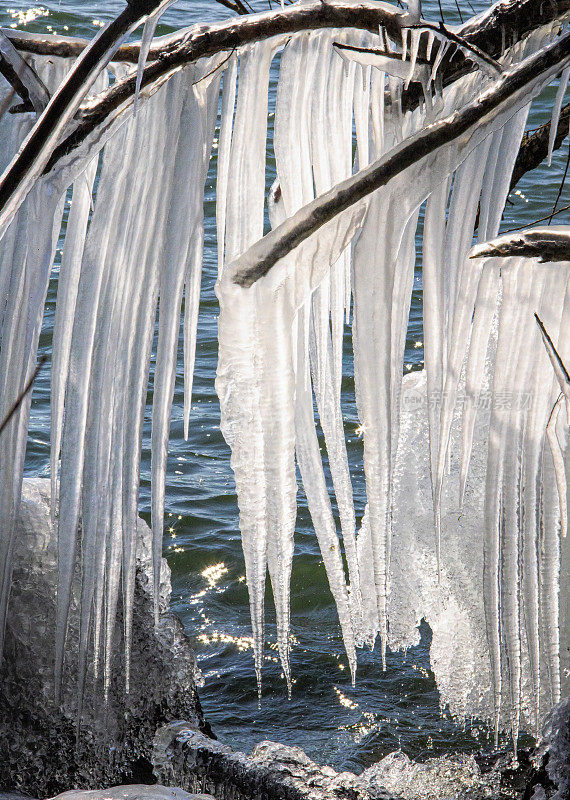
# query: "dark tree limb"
x,y
264,254
534,146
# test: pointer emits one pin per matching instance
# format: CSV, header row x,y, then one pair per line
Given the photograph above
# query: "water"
x,y
347,727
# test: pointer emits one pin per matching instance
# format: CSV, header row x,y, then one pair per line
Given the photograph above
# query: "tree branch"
x,y
534,146
263,255
32,157
545,243
204,41
22,77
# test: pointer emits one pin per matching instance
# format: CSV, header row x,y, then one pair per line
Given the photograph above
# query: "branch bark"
x,y
544,243
263,255
534,146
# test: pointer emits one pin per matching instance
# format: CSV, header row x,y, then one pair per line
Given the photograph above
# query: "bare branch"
x,y
534,146
557,363
263,255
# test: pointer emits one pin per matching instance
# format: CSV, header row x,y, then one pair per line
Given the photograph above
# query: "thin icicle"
x,y
557,453
146,41
485,306
405,32
65,310
224,151
414,46
556,112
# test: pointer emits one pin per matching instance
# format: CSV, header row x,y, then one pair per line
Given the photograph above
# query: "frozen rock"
x,y
39,754
134,792
437,778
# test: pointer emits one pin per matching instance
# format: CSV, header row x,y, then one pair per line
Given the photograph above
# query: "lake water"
x,y
333,722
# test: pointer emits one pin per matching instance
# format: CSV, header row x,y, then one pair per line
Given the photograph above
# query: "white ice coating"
x,y
430,443
561,91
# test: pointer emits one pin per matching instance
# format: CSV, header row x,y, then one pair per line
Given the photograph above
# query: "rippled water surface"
x,y
334,722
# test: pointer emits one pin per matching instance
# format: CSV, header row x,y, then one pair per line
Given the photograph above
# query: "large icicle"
x,y
179,264
236,374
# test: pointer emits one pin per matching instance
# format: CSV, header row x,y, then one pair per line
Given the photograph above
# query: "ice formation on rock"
x,y
133,249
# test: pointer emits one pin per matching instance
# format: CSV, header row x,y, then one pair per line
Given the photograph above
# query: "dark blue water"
x,y
333,722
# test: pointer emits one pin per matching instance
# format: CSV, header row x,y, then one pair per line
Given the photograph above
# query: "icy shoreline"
x,y
150,742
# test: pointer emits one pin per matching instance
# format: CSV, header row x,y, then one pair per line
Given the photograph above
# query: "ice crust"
x,y
465,505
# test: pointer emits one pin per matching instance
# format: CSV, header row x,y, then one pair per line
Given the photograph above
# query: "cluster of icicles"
x,y
133,246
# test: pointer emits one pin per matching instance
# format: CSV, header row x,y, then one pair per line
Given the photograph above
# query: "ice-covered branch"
x,y
203,40
486,31
263,255
32,157
472,52
22,77
545,243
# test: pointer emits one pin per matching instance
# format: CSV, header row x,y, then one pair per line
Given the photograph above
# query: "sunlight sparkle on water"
x,y
213,573
25,17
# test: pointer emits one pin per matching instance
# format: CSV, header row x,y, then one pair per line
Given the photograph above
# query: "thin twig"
x,y
212,71
23,394
542,219
441,12
561,186
459,11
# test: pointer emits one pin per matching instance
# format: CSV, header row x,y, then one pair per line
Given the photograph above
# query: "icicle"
x,y
429,44
146,41
434,311
510,328
557,453
310,465
556,112
457,348
185,216
65,310
441,51
405,32
414,45
485,306
244,225
224,150
207,95
549,581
